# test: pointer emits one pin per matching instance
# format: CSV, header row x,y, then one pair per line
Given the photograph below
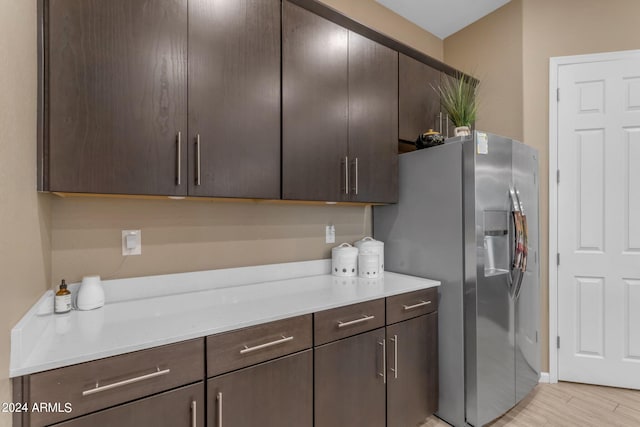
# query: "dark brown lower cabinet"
x,y
412,370
183,407
272,394
349,383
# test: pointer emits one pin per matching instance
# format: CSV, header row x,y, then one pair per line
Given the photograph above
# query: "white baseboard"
x,y
544,378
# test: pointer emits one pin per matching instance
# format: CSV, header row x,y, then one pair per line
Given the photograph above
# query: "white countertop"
x,y
150,311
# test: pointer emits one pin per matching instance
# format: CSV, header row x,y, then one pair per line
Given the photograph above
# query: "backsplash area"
x,y
191,235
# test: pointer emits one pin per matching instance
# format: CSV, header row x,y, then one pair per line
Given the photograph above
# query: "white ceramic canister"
x,y
90,294
369,244
344,260
368,265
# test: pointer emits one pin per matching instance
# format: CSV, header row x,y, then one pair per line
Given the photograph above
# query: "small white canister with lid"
x,y
344,260
370,245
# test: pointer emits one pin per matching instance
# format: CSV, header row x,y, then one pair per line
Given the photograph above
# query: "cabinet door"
x,y
183,407
234,98
412,363
349,388
373,121
315,103
116,96
419,104
272,394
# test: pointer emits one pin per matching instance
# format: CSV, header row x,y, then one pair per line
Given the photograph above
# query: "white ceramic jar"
x,y
368,265
344,260
370,245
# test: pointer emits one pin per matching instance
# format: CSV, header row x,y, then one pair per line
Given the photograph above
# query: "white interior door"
x,y
599,223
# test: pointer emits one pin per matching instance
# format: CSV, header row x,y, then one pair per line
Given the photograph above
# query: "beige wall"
x,y
187,235
378,17
46,238
491,50
24,215
548,28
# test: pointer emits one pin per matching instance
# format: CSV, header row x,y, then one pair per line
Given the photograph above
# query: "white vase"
x,y
462,131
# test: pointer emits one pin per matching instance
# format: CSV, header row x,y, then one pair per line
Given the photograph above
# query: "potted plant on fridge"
x,y
458,98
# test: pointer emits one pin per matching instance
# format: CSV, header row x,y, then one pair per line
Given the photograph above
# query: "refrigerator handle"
x,y
521,242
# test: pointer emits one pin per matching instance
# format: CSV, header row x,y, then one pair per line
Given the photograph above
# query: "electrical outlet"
x,y
131,242
330,234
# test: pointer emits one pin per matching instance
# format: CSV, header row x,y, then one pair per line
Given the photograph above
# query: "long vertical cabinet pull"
x,y
219,409
395,357
383,343
440,122
178,158
198,159
355,187
194,414
346,175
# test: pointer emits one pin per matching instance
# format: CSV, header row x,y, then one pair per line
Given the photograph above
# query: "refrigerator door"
x,y
488,303
527,351
423,236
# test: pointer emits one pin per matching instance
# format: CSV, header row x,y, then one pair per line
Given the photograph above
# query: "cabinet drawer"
x,y
342,322
237,349
412,304
95,385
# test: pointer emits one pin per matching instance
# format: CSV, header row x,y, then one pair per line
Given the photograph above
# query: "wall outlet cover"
x,y
330,234
131,242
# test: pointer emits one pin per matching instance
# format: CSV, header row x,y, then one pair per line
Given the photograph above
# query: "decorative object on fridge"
x,y
459,99
344,260
428,139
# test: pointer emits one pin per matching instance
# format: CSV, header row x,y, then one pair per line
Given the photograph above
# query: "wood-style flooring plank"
x,y
568,405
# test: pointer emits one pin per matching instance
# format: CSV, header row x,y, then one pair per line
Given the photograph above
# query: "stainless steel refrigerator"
x,y
468,216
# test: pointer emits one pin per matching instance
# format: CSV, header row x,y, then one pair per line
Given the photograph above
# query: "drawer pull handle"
x,y
283,340
219,399
100,388
420,304
363,319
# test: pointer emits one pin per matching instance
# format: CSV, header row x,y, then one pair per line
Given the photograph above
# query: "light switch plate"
x,y
330,234
134,238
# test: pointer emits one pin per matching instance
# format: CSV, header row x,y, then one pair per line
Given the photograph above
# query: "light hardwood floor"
x,y
570,404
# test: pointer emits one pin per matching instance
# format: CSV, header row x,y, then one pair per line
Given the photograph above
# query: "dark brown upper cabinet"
x,y
339,112
115,103
419,104
234,98
373,121
314,106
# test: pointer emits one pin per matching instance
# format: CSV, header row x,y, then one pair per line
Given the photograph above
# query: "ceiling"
x,y
443,17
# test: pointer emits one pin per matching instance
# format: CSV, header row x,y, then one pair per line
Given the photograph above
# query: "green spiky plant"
x,y
459,98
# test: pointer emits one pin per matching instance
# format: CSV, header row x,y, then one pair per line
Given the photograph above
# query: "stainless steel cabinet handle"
x,y
100,388
178,158
384,361
411,307
395,357
194,414
356,187
363,319
198,159
440,121
265,345
346,175
219,409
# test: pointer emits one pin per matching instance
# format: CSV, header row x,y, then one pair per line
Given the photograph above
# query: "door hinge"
x,y
558,258
558,176
558,342
558,94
